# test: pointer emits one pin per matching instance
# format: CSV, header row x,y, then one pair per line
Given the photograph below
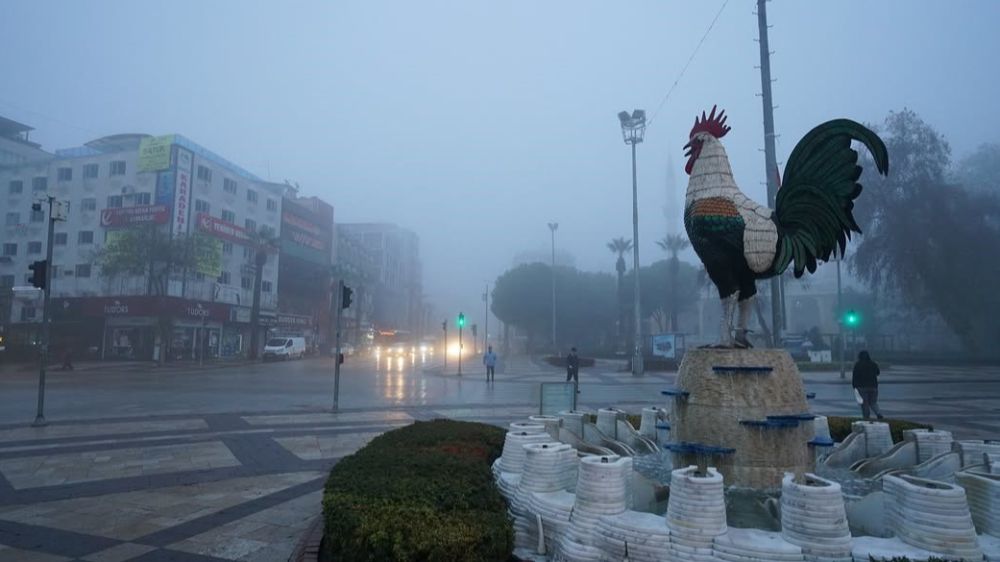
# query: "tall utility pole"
x,y
770,162
552,227
46,313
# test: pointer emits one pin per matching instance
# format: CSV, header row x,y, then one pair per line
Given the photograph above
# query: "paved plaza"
x,y
156,464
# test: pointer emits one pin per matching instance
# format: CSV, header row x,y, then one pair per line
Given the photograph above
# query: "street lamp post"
x,y
633,129
840,321
552,227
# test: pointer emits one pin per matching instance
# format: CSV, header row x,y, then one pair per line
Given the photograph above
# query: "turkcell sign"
x,y
182,192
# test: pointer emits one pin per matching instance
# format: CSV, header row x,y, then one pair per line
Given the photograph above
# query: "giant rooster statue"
x,y
740,241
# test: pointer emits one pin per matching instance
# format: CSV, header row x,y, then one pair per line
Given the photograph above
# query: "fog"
x,y
476,123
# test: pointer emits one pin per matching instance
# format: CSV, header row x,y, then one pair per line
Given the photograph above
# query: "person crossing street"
x,y
490,360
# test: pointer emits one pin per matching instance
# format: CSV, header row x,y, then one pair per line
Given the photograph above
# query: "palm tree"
x,y
264,242
620,246
673,244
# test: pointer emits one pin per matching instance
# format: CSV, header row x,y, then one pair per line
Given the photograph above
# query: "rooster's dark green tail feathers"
x,y
813,208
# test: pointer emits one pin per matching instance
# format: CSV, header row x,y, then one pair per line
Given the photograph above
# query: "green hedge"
x,y
840,427
422,492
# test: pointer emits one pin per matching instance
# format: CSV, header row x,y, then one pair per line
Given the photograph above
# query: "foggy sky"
x,y
476,123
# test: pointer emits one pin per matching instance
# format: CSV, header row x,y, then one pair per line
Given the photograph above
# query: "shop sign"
x,y
154,153
182,191
131,216
221,229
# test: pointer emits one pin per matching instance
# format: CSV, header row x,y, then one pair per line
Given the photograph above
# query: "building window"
x,y
227,248
201,206
204,173
12,219
27,313
229,185
272,205
15,187
60,239
143,198
34,247
6,281
37,216
85,237
114,201
228,216
10,249
41,183
65,174
251,196
224,278
249,253
88,204
83,270
265,286
117,168
246,282
251,225
267,231
90,171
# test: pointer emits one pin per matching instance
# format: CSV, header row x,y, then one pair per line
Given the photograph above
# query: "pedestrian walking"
x,y
865,381
490,360
573,367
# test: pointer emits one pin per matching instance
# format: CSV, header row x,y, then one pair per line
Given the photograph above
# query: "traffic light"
x,y
852,319
475,328
340,358
461,319
345,298
444,325
38,273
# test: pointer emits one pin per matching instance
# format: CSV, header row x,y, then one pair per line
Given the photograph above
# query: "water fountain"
x,y
740,471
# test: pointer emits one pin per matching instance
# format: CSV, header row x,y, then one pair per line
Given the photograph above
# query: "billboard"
x,y
182,192
665,345
209,258
131,216
154,153
305,234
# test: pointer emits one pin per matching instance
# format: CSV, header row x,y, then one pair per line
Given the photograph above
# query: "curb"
x,y
307,550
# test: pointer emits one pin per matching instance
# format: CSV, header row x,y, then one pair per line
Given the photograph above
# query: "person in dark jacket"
x,y
865,380
572,366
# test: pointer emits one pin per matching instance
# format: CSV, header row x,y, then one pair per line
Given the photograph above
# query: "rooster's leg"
x,y
726,324
746,307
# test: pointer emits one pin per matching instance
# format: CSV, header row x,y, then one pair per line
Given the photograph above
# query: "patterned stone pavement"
x,y
199,488
220,482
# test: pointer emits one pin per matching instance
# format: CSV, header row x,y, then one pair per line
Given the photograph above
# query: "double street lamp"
x,y
633,130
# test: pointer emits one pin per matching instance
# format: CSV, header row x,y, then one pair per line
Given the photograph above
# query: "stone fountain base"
x,y
743,412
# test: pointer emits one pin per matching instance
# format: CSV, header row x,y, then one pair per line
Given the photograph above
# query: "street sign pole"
x,y
460,349
336,356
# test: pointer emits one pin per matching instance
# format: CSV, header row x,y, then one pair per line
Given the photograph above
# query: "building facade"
x,y
121,184
304,276
398,297
355,266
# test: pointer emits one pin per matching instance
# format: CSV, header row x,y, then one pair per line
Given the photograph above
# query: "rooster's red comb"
x,y
714,125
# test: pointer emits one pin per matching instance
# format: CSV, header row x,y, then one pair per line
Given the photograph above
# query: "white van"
x,y
285,348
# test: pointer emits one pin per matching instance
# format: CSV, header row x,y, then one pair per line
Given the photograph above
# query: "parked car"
x,y
285,348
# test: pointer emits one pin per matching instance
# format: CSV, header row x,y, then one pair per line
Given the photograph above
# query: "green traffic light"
x,y
852,318
461,320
